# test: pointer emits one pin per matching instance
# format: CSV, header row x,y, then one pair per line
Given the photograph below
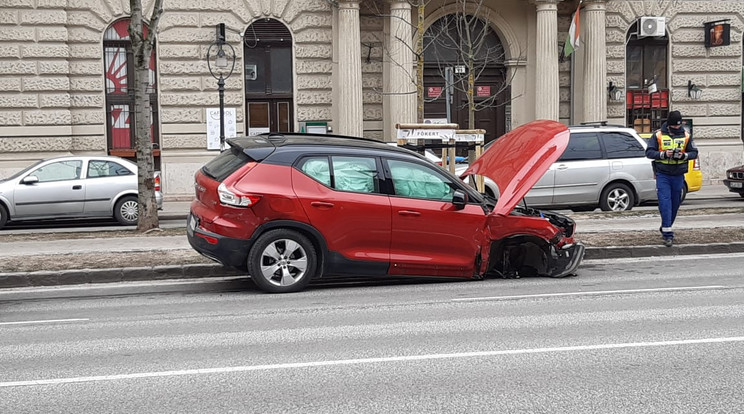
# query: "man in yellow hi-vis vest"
x,y
670,147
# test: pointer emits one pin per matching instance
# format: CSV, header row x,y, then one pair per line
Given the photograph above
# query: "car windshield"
x,y
23,171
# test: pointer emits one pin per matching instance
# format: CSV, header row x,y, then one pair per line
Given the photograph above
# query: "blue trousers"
x,y
669,190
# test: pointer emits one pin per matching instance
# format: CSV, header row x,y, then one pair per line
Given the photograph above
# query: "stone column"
x,y
595,61
350,115
546,62
402,78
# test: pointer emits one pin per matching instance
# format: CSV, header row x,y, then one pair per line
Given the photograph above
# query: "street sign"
x,y
460,69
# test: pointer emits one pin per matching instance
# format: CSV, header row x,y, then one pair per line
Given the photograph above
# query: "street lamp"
x,y
693,91
221,63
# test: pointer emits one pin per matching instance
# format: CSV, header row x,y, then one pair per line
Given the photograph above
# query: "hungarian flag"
x,y
572,42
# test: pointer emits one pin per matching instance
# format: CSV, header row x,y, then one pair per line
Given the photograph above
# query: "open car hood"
x,y
517,160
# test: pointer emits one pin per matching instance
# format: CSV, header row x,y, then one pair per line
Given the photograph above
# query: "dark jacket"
x,y
652,151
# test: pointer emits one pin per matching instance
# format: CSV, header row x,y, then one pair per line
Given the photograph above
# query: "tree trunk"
x,y
142,47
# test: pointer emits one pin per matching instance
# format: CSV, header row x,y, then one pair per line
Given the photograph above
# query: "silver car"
x,y
603,166
73,187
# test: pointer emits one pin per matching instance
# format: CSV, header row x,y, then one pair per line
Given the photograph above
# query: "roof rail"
x,y
283,135
598,124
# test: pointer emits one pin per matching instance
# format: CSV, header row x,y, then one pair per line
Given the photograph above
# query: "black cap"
x,y
674,119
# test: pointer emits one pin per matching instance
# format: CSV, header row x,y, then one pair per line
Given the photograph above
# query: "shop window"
x,y
647,74
118,60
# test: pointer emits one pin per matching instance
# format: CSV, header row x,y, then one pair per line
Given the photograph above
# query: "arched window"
x,y
118,62
646,65
267,55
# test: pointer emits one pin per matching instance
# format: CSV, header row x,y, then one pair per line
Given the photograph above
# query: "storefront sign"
x,y
717,34
482,91
213,126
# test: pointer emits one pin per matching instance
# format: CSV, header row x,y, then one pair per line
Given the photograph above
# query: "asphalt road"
x,y
635,336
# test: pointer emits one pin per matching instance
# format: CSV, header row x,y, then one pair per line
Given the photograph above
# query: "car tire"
x,y
126,211
617,197
684,193
282,261
3,216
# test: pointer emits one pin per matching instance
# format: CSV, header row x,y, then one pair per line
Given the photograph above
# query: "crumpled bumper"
x,y
567,259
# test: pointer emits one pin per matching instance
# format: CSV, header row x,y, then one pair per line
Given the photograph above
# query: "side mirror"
x,y
459,199
31,179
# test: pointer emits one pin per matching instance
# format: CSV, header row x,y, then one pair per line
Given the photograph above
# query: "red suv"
x,y
291,207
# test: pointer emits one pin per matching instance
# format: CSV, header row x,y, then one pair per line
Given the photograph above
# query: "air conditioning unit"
x,y
651,27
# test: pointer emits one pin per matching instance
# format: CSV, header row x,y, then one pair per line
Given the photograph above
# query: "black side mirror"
x,y
31,179
459,199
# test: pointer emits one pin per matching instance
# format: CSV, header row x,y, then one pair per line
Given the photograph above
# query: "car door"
x,y
343,199
430,236
59,191
627,157
581,172
541,193
104,180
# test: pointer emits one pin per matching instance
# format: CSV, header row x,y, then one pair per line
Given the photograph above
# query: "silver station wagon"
x,y
73,187
603,166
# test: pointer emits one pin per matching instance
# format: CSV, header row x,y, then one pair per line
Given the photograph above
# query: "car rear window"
x,y
225,164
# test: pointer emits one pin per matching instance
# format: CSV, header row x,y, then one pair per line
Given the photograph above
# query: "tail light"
x,y
696,164
236,199
157,180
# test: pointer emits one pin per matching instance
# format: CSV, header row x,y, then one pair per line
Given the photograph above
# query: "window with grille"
x,y
646,63
119,74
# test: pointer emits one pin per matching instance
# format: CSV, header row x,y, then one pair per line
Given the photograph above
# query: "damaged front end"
x,y
537,243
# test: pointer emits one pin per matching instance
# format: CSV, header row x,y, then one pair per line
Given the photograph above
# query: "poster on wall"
x,y
213,126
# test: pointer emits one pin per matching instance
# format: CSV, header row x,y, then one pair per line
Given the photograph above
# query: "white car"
x,y
603,166
74,187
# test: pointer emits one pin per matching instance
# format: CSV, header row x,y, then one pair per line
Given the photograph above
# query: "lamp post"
x,y
221,63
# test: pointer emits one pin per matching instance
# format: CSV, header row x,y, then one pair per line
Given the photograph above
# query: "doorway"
x,y
446,48
269,100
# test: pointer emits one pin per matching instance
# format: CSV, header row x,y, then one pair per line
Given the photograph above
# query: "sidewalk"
x,y
177,209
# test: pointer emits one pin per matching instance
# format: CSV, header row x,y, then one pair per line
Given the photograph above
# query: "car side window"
x,y
582,146
622,145
355,174
98,168
58,171
344,173
317,168
418,181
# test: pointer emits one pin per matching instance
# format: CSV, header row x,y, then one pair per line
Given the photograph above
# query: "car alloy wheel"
x,y
282,261
126,211
616,197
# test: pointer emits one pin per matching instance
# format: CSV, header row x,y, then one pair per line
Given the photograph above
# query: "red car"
x,y
291,207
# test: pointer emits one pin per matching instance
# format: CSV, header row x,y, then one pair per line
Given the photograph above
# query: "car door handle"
x,y
562,167
77,187
409,213
321,204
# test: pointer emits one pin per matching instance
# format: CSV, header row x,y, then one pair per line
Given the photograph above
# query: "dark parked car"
x,y
735,180
291,207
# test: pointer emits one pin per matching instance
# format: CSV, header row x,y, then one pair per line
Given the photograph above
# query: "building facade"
x,y
350,67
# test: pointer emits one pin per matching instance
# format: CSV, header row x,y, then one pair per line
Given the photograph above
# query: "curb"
x,y
618,252
196,271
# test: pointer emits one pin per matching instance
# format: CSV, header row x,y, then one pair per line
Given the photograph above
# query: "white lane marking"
x,y
44,321
588,293
314,364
